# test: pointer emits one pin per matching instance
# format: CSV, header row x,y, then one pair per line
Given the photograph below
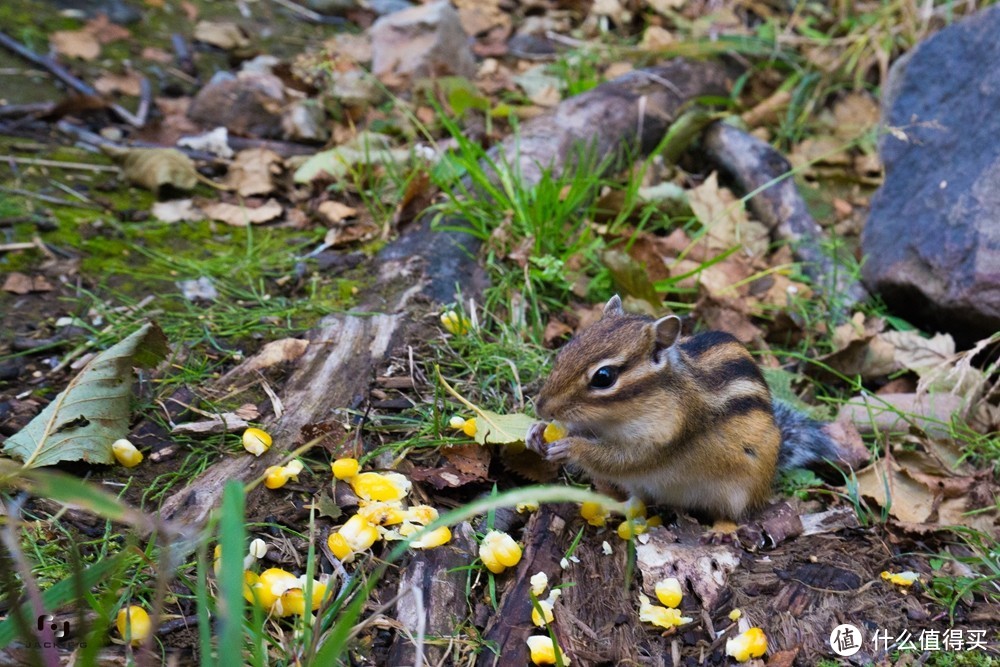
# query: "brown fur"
x,y
688,421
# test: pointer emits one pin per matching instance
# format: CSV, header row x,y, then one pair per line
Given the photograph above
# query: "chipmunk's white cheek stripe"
x,y
741,388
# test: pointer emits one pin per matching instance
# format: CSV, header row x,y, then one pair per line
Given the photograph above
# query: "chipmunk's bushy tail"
x,y
804,441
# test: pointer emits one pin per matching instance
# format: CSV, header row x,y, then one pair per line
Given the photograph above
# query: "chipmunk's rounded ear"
x,y
613,308
668,330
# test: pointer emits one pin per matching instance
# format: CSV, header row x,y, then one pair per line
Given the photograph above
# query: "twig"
x,y
50,199
59,164
310,15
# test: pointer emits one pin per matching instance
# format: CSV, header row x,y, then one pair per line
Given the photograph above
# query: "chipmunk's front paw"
x,y
535,440
559,451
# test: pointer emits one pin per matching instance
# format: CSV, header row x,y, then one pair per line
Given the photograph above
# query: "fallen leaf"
x,y
19,283
335,212
93,411
177,210
725,219
75,44
155,168
276,352
126,84
253,171
469,459
894,413
223,34
368,148
241,216
105,31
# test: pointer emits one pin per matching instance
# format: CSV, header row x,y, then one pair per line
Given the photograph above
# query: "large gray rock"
x,y
423,41
932,240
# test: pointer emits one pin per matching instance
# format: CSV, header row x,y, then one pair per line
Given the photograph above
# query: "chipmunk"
x,y
687,422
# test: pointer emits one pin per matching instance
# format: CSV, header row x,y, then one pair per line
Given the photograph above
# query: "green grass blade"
x,y
232,537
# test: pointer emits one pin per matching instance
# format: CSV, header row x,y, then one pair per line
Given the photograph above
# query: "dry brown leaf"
x,y
253,170
105,31
75,44
340,236
854,114
469,459
336,212
223,34
821,150
894,413
725,218
126,84
479,16
858,350
19,283
906,499
276,352
556,330
655,39
241,216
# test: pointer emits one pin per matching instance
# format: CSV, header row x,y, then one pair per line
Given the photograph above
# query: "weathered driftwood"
x,y
433,601
545,542
626,116
757,167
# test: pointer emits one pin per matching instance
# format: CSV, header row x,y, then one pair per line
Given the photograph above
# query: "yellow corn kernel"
x,y
902,578
631,527
422,514
660,616
354,536
435,538
669,592
499,551
380,486
275,477
469,428
251,584
126,453
454,323
529,506
345,468
539,582
293,469
382,514
545,617
339,546
635,509
554,431
293,601
456,423
133,624
543,650
256,441
749,644
594,513
735,615
271,585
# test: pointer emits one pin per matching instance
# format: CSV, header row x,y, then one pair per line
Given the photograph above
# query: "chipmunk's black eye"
x,y
604,377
